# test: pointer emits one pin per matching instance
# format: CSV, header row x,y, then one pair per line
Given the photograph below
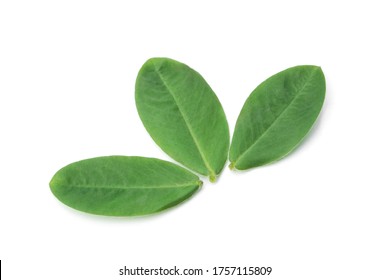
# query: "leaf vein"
x,y
137,187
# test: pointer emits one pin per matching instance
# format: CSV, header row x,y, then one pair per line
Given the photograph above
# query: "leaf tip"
x,y
232,165
200,183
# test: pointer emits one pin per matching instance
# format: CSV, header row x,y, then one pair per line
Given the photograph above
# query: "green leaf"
x,y
123,186
276,116
183,115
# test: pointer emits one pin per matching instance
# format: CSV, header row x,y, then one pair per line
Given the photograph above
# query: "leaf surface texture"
x,y
183,115
276,116
123,186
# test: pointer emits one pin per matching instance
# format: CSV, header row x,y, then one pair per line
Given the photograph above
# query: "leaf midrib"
x,y
207,165
277,118
197,184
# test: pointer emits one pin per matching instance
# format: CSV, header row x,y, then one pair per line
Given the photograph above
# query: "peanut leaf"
x,y
183,115
277,116
123,186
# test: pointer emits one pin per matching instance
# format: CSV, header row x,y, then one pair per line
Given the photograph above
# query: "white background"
x,y
67,74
